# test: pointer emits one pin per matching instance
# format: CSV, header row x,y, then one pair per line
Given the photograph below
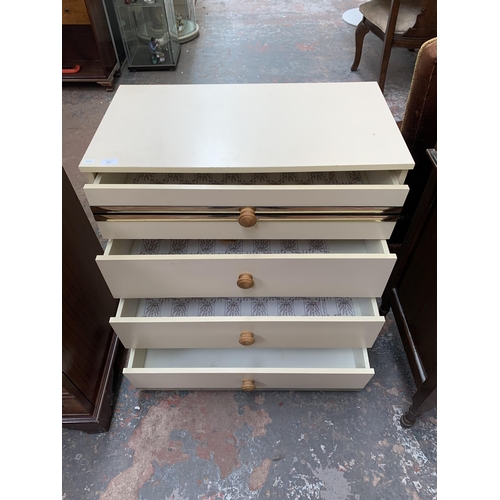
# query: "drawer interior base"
x,y
250,306
246,247
237,358
252,179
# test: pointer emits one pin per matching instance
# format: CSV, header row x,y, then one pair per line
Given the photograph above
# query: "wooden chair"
x,y
398,23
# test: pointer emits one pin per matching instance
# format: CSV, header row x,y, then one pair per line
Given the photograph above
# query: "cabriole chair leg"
x,y
361,31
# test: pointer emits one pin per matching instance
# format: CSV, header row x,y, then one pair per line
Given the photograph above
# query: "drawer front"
x,y
365,189
349,379
289,375
164,330
263,229
249,275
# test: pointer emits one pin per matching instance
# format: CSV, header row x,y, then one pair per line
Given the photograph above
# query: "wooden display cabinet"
x,y
88,52
91,352
411,293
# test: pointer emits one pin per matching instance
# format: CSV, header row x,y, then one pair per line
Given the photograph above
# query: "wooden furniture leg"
x,y
384,64
423,400
361,31
388,43
107,85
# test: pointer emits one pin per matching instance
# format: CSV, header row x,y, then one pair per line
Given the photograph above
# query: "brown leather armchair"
x,y
398,23
419,130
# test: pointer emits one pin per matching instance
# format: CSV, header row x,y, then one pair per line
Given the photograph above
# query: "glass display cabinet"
x,y
185,16
149,33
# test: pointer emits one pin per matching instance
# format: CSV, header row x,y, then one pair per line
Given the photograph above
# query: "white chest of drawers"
x,y
247,228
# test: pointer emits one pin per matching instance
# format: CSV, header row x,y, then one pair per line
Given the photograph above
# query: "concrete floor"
x,y
235,445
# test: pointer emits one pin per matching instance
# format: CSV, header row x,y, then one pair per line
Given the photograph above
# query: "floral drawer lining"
x,y
243,306
253,179
204,247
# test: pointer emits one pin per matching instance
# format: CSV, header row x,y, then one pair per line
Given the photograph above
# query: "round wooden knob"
x,y
246,338
247,217
248,385
245,281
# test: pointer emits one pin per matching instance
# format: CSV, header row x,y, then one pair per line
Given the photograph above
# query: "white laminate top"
x,y
247,127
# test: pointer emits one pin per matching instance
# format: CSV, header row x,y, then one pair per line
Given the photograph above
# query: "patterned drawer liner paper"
x,y
248,306
253,179
206,247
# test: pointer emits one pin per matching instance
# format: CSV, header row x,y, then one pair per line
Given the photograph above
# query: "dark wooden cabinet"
x,y
411,293
90,348
88,51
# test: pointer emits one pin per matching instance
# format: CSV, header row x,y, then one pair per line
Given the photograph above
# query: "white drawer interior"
x,y
138,191
238,358
264,322
373,178
245,247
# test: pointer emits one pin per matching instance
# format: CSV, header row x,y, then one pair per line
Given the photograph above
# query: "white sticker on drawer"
x,y
109,161
87,161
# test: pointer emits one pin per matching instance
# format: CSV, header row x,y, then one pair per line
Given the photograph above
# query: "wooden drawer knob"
x,y
246,338
245,281
248,385
247,217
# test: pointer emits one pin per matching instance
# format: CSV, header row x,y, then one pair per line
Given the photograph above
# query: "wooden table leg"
x,y
423,400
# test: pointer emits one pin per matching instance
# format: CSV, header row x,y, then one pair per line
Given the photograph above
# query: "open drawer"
x,y
247,323
269,224
248,206
294,369
263,147
377,188
244,268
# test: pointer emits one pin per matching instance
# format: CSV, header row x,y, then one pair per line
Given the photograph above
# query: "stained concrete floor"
x,y
189,445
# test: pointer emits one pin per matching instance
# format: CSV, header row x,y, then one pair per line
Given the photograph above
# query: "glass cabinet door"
x,y
149,33
185,16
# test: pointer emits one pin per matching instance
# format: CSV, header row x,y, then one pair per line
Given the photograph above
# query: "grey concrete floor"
x,y
234,445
